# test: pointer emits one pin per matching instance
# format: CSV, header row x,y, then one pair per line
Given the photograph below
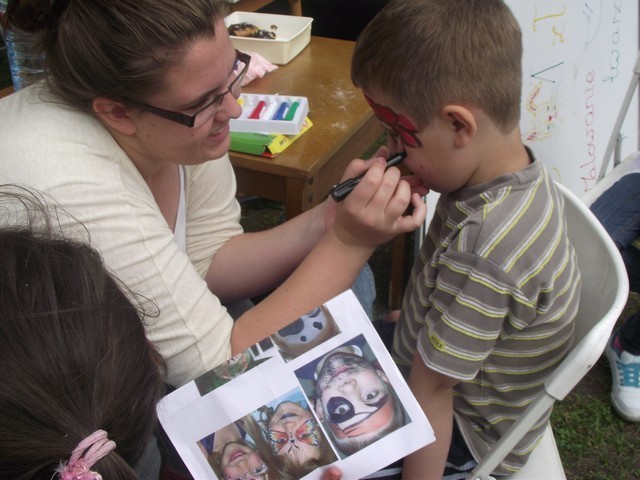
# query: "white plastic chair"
x,y
605,288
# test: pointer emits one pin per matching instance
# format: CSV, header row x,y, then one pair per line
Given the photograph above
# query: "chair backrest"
x,y
603,296
605,288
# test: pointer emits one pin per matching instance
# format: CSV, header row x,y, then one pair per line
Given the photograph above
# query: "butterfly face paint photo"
x,y
294,432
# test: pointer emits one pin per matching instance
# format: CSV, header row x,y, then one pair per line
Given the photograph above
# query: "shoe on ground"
x,y
625,372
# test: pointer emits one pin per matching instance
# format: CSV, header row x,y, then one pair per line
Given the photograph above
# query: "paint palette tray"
x,y
270,114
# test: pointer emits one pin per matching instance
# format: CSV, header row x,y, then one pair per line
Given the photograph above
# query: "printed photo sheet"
x,y
321,391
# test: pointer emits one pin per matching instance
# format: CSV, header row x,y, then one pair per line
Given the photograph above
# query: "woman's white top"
x,y
69,156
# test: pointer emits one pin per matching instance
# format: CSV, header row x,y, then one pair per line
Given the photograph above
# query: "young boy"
x,y
490,306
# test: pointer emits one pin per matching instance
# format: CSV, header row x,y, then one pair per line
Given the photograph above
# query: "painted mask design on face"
x,y
305,329
307,433
397,125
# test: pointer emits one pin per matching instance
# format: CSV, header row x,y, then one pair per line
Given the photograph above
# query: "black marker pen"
x,y
340,191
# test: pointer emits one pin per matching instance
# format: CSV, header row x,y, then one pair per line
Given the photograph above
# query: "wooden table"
x,y
343,128
6,91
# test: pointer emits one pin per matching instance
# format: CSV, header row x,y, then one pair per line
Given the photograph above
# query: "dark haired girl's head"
x,y
118,49
74,357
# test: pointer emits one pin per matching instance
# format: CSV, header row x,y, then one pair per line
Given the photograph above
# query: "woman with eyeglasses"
x,y
130,134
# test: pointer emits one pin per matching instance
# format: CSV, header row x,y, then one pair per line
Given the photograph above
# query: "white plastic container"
x,y
293,33
277,114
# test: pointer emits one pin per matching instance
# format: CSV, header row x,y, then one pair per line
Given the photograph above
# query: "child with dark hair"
x,y
490,307
80,381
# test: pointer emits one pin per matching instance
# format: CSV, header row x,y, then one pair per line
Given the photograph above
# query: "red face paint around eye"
x,y
397,124
278,440
308,433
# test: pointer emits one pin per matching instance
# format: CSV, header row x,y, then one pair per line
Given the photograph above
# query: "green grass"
x,y
593,440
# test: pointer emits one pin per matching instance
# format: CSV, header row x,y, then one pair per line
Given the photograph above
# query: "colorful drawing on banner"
x,y
543,109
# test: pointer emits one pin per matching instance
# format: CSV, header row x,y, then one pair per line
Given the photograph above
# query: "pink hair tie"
x,y
89,451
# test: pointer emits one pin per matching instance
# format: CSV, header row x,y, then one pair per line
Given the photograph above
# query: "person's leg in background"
x,y
364,289
618,209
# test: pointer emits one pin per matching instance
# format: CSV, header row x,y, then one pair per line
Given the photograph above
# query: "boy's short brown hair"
x,y
425,54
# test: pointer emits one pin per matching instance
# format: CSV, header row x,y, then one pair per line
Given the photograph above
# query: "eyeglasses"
x,y
206,112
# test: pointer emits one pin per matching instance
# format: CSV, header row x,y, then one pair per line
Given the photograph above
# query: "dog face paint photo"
x,y
305,333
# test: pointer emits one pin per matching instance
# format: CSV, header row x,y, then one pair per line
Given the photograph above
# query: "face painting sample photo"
x,y
352,396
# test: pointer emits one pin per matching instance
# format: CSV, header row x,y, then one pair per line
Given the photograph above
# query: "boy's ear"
x,y
462,123
114,114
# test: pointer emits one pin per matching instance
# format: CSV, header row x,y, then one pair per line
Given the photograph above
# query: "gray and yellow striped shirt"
x,y
491,302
